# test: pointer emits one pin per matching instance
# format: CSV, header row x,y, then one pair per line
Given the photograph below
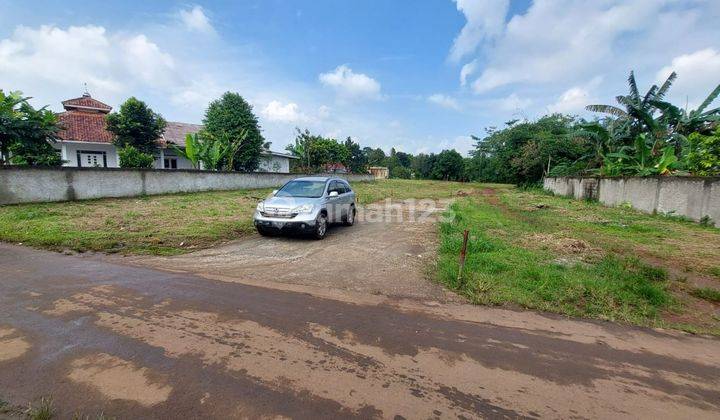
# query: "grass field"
x,y
526,248
582,259
167,224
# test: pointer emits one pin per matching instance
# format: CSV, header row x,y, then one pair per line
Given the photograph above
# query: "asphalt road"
x,y
138,343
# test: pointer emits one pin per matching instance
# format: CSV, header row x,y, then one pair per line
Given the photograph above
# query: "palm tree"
x,y
636,112
684,122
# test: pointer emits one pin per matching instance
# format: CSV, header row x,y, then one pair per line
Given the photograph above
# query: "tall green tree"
x,y
357,161
449,166
375,157
26,133
137,125
231,119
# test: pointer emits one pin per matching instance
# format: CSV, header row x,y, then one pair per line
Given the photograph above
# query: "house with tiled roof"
x,y
86,142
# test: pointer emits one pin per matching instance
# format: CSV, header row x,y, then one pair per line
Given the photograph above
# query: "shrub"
x,y
130,157
703,157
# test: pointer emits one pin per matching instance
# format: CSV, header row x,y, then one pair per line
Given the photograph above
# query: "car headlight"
x,y
260,206
305,208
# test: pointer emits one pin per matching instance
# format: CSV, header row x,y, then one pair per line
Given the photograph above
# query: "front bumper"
x,y
300,223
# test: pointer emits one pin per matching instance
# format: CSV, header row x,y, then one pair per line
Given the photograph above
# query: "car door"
x,y
348,198
333,203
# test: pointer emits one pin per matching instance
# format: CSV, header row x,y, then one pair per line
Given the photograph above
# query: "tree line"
x,y
643,135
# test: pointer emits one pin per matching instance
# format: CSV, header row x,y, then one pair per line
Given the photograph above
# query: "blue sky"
x,y
420,76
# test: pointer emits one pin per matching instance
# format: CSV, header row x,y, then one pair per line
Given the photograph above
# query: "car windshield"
x,y
310,189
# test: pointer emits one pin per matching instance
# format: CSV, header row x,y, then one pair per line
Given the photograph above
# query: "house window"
x,y
170,163
91,159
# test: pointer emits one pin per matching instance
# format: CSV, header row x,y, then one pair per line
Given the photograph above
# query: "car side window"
x,y
347,187
334,187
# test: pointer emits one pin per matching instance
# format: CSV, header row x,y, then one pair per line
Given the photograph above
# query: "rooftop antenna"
x,y
86,90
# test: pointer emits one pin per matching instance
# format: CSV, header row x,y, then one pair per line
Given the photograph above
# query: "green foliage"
x,y
703,157
522,151
375,157
423,164
130,157
316,151
212,153
707,293
26,133
640,159
642,135
136,125
508,266
357,160
400,172
231,121
449,166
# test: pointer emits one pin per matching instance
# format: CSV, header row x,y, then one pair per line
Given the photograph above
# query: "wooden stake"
x,y
463,252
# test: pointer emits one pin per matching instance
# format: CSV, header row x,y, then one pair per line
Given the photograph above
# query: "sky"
x,y
416,75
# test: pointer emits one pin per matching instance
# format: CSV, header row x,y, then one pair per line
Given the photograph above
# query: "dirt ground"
x,y
387,252
131,342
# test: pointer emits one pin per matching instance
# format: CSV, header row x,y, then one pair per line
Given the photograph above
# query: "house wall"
x,y
34,184
274,164
692,197
71,150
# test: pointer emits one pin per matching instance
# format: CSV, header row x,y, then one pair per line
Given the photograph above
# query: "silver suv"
x,y
307,204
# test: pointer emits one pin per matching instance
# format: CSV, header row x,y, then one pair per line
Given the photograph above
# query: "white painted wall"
x,y
69,151
271,163
268,163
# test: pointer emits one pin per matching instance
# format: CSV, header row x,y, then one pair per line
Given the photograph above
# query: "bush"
x,y
703,157
130,157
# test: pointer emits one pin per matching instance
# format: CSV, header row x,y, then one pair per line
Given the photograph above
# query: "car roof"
x,y
317,178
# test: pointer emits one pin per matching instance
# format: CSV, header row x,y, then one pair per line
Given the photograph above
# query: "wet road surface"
x,y
135,343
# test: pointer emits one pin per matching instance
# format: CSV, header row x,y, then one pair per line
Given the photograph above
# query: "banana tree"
x,y
684,122
640,159
636,114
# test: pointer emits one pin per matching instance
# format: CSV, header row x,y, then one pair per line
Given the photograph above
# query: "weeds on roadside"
x,y
707,293
500,270
43,411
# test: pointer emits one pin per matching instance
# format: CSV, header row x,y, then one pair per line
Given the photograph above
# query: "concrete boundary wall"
x,y
692,197
28,184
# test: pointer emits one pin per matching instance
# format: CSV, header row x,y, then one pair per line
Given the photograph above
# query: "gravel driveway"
x,y
388,252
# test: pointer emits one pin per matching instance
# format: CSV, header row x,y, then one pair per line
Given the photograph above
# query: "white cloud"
x,y
462,144
513,102
485,19
323,112
444,101
572,100
351,85
698,74
144,60
557,39
277,111
575,99
50,55
195,19
467,70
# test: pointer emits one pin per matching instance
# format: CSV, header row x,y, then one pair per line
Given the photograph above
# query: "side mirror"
x,y
274,192
333,194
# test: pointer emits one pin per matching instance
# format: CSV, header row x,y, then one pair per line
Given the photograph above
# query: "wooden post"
x,y
463,252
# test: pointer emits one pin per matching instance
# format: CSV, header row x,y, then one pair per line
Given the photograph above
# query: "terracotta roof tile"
x,y
84,126
86,101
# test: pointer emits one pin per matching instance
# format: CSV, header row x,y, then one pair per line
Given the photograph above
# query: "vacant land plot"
x,y
580,258
526,248
168,224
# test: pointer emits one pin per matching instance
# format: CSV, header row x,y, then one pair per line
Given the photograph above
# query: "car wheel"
x,y
262,231
321,225
350,218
